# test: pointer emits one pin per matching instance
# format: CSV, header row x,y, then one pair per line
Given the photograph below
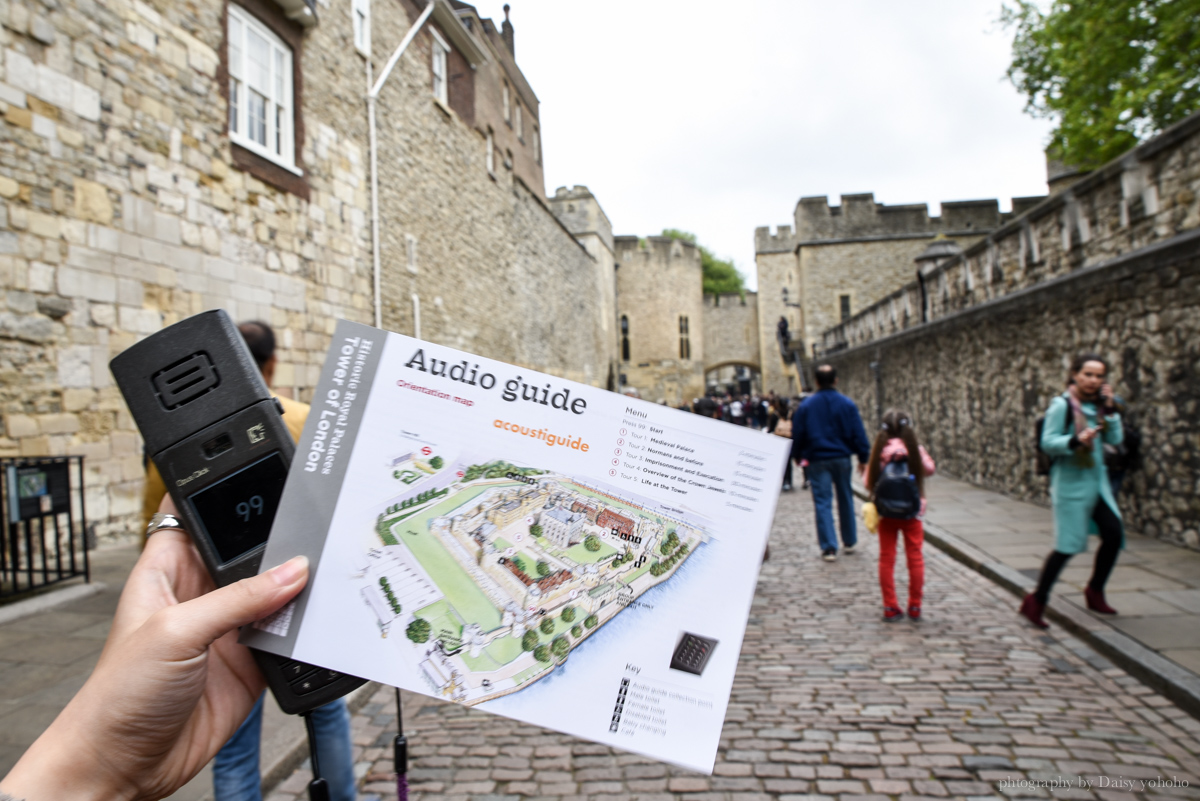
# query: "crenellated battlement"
x,y
580,213
654,248
860,217
782,241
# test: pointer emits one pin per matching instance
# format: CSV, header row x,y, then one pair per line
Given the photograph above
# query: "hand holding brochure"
x,y
541,549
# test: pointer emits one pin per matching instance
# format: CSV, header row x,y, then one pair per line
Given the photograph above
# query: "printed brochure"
x,y
537,548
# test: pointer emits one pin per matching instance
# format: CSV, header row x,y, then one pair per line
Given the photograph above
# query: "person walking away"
x,y
1077,425
896,480
737,411
236,775
779,424
826,431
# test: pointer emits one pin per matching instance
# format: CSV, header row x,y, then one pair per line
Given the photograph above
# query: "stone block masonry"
x,y
123,213
1109,265
125,206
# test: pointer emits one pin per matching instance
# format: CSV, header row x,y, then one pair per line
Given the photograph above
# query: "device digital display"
x,y
237,511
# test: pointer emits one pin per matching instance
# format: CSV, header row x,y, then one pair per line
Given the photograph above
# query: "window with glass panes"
x,y
260,89
685,343
441,89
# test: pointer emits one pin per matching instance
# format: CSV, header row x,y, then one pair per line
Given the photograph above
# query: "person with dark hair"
x,y
236,774
1077,426
779,424
896,443
826,431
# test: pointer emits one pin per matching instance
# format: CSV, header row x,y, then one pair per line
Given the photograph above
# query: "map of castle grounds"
x,y
507,569
487,535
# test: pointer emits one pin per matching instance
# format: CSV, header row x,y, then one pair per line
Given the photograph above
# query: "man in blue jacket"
x,y
826,431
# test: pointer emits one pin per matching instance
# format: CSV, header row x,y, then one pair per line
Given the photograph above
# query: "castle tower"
x,y
660,307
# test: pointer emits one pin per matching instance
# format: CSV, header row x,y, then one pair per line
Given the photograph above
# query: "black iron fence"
x,y
43,540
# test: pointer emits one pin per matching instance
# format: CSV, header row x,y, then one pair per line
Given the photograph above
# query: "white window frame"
x,y
440,54
279,97
520,121
360,19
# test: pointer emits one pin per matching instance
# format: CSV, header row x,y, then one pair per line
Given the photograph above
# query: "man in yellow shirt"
x,y
236,767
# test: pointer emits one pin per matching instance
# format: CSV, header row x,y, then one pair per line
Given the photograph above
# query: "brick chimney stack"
x,y
506,33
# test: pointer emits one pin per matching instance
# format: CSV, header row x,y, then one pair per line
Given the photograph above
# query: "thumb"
x,y
206,618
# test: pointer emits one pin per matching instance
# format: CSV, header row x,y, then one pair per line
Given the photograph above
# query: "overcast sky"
x,y
717,117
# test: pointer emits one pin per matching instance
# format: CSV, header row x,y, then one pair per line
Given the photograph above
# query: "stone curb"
x,y
48,600
1178,684
294,757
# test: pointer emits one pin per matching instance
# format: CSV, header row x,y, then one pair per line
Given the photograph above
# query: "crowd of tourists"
x,y
1083,447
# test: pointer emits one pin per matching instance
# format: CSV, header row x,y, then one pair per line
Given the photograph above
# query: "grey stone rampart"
x,y
1108,265
859,217
731,330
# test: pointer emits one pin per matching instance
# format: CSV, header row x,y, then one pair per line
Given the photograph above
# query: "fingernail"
x,y
290,571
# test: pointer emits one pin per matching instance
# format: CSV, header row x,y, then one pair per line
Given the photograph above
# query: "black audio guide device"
x,y
219,441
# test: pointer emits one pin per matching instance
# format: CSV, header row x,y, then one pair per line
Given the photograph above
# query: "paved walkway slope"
x,y
830,702
1155,586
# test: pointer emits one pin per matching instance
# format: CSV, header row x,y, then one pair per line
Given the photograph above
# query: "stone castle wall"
x,y
494,271
124,208
731,330
659,281
123,212
866,271
1109,265
778,270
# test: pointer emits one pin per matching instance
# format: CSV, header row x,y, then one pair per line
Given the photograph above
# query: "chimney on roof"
x,y
506,33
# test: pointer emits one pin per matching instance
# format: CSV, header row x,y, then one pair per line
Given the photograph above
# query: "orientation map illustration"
x,y
495,578
487,535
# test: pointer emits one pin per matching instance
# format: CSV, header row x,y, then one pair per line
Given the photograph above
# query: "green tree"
x,y
535,530
543,569
568,614
520,563
547,625
591,543
419,630
529,641
576,631
560,647
437,462
591,621
1110,74
541,653
719,277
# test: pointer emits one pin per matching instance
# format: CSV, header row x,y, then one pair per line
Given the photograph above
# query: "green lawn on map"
x,y
441,618
501,544
459,588
581,555
504,649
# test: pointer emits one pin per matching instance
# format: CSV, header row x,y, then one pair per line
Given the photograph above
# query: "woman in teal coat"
x,y
1077,425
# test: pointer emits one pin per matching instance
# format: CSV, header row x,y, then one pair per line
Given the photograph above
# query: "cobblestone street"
x,y
831,702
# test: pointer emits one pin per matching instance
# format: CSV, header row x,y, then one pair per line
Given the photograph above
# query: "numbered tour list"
x,y
653,455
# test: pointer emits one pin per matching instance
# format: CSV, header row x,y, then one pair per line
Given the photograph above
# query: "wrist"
x,y
63,766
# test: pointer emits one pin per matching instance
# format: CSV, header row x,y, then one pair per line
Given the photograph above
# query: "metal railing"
x,y
43,540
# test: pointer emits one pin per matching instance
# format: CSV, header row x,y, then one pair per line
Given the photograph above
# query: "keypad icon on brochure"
x,y
692,653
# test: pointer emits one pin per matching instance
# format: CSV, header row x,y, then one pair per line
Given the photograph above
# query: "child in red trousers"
x,y
897,483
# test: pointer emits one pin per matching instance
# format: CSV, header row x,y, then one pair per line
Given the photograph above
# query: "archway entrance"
x,y
734,378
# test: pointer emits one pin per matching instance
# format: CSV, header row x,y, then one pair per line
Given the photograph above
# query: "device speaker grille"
x,y
185,381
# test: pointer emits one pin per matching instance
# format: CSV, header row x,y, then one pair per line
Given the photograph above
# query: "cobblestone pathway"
x,y
831,702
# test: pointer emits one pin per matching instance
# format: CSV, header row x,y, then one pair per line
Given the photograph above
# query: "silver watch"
x,y
161,521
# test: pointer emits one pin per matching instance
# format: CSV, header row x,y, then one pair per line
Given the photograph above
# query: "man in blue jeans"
x,y
236,769
826,431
